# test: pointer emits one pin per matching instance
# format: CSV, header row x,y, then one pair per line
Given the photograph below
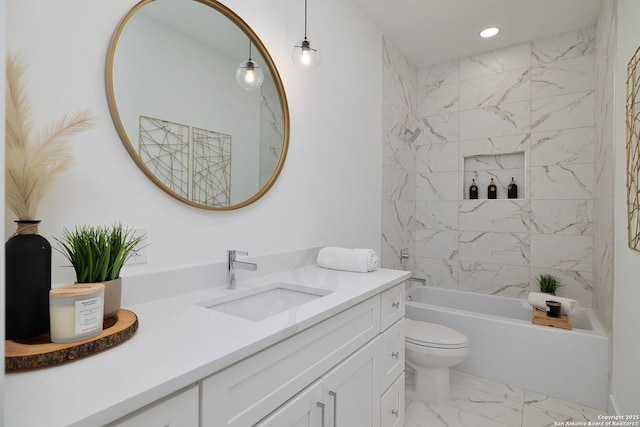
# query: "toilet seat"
x,y
427,334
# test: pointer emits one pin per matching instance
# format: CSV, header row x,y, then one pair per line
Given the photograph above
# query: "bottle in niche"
x,y
492,190
512,190
473,190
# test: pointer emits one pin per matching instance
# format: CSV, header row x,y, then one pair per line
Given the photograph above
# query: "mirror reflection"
x,y
185,120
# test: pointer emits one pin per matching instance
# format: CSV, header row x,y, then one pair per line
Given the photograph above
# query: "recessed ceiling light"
x,y
489,32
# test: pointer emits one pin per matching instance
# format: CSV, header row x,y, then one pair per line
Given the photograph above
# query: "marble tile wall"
x,y
538,99
399,160
603,166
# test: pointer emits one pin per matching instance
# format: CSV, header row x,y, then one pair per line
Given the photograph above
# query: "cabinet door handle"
x,y
395,412
395,354
321,406
395,304
335,407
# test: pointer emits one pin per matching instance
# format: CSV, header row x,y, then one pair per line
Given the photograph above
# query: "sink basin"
x,y
266,301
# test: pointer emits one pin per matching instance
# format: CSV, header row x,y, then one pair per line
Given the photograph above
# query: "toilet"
x,y
430,350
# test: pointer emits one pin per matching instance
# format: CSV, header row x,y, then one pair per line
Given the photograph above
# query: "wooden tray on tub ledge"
x,y
540,317
40,352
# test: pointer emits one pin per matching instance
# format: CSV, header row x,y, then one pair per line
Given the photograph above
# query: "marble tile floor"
x,y
478,402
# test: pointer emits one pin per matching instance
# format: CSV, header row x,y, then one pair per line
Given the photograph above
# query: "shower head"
x,y
412,134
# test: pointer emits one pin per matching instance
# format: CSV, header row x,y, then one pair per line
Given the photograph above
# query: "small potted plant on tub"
x,y
97,254
548,283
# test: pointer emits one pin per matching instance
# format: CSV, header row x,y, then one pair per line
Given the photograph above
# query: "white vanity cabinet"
x,y
178,410
346,396
343,372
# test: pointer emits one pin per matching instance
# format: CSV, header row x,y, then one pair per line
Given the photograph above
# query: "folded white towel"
x,y
358,260
538,299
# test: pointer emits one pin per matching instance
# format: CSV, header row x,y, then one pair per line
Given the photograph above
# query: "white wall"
x,y
626,343
329,191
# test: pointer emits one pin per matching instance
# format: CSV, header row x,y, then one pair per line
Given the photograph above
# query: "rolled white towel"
x,y
538,299
358,260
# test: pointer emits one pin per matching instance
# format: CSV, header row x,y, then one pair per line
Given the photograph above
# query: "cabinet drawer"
x,y
392,360
391,306
392,405
178,410
246,392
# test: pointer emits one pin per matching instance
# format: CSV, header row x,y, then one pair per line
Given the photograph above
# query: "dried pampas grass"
x,y
33,159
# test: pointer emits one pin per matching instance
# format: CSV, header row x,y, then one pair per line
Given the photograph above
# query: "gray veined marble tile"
x,y
436,158
499,120
398,183
437,215
495,61
564,146
494,215
494,279
492,247
441,244
536,417
499,409
392,243
438,100
440,128
398,215
495,145
399,87
486,385
441,273
495,89
443,415
562,217
562,77
574,410
438,75
566,45
562,181
562,252
437,186
572,110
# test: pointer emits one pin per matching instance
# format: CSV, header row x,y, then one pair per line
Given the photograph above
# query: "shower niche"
x,y
502,168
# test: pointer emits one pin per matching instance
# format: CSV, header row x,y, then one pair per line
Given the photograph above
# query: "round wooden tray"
x,y
39,351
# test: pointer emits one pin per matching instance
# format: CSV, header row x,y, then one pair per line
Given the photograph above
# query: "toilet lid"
x,y
432,335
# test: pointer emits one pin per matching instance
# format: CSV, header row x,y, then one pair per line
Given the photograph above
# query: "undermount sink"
x,y
266,301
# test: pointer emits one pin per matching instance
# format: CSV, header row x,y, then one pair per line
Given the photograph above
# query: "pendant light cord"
x,y
305,19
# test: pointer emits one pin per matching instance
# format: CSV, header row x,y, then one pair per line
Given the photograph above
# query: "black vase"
x,y
28,282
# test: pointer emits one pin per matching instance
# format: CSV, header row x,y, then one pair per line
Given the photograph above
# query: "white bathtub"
x,y
506,347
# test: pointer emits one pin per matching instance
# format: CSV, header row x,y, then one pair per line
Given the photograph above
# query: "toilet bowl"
x,y
430,350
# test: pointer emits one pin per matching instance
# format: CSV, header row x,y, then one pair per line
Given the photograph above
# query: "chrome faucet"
x,y
233,264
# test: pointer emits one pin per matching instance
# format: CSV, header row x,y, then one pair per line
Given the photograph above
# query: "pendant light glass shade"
x,y
304,54
249,74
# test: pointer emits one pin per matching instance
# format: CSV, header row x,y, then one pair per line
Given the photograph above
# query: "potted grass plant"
x,y
548,283
97,254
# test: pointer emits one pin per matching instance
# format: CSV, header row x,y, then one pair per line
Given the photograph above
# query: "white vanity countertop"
x,y
178,343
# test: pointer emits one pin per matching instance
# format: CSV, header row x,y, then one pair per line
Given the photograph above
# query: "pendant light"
x,y
304,55
249,74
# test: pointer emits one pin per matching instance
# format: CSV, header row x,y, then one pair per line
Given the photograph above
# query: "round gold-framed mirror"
x,y
178,109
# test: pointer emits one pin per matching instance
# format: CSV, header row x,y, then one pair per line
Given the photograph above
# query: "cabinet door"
x,y
305,409
392,359
352,389
392,405
178,410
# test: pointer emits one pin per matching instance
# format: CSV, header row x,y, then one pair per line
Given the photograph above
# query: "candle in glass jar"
x,y
76,312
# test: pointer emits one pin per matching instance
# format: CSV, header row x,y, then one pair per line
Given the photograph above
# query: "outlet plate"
x,y
139,255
